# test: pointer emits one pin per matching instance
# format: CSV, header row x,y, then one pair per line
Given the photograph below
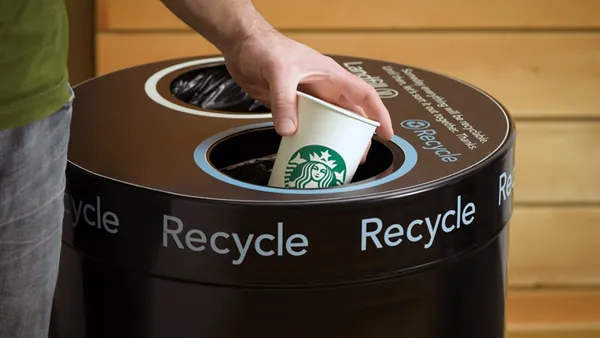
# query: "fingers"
x,y
351,106
284,103
338,87
361,94
364,158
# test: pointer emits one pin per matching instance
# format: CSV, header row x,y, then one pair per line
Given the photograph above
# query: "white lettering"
x,y
77,208
114,221
280,239
410,228
86,208
468,211
258,247
240,246
289,245
431,143
195,236
382,88
372,234
432,230
93,215
371,228
213,242
398,231
243,250
174,233
505,186
444,224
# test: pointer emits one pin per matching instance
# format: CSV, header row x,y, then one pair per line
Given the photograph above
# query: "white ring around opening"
x,y
152,92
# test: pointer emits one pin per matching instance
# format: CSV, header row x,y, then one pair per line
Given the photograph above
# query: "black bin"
x,y
171,231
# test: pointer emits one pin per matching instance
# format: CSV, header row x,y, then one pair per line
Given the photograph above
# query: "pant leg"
x,y
32,182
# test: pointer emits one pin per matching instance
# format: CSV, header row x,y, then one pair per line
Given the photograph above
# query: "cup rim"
x,y
340,110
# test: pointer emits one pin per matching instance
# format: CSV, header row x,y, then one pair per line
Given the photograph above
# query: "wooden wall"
x,y
541,58
81,32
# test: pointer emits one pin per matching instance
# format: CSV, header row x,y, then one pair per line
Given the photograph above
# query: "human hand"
x,y
271,67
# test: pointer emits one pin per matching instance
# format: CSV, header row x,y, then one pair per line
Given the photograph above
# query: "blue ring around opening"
x,y
201,151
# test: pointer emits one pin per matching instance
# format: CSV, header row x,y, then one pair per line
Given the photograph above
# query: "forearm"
x,y
222,22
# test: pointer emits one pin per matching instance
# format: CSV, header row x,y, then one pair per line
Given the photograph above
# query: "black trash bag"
x,y
256,171
213,88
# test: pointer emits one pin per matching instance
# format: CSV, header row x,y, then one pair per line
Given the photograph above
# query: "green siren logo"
x,y
315,166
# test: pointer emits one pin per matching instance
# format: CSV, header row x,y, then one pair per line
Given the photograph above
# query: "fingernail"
x,y
286,126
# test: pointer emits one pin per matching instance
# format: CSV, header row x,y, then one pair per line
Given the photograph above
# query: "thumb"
x,y
283,104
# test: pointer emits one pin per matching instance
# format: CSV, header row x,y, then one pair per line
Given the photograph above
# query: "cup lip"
x,y
340,110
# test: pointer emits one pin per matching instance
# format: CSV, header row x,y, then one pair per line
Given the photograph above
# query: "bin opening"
x,y
249,157
213,88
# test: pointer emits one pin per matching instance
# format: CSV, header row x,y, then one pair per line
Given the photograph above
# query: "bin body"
x,y
464,299
160,241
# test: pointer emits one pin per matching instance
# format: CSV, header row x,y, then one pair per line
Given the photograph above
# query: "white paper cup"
x,y
326,149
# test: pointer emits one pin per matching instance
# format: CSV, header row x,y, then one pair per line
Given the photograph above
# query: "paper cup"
x,y
326,149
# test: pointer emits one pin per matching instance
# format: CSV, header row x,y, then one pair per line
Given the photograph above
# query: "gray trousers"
x,y
32,182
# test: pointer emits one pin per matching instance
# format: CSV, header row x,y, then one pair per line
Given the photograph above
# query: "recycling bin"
x,y
171,230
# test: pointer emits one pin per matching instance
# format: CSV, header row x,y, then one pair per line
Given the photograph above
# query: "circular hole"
x,y
213,88
249,157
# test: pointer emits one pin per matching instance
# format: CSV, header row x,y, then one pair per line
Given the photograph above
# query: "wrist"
x,y
249,25
225,23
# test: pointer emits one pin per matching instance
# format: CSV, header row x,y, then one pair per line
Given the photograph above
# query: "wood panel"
x,y
552,246
549,331
116,51
559,307
381,14
558,162
535,75
81,29
553,313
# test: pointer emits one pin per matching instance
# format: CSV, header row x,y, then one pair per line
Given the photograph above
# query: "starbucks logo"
x,y
315,166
